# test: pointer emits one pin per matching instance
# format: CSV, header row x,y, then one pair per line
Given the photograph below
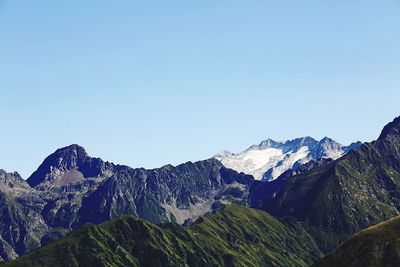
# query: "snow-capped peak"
x,y
269,159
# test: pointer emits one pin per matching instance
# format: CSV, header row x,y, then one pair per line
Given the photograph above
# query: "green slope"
x,y
236,236
376,246
339,199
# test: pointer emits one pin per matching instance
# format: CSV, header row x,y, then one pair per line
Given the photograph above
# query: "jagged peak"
x,y
301,141
391,129
306,139
11,180
352,146
223,153
268,143
72,149
66,157
69,158
16,174
328,140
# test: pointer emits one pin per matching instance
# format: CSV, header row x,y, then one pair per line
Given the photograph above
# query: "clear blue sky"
x,y
145,83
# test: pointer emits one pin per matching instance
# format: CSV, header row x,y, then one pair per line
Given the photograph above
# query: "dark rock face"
x,y
352,146
264,192
391,130
70,189
21,224
69,165
165,194
63,179
301,168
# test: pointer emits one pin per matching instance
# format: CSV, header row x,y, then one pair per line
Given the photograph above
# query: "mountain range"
x,y
308,211
71,188
269,159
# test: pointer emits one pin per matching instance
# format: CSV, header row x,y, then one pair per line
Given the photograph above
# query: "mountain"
x,y
340,198
21,225
69,165
235,236
64,179
269,159
167,194
71,188
391,130
378,245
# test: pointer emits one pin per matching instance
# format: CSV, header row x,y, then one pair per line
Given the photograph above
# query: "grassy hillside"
x,y
339,199
236,236
376,246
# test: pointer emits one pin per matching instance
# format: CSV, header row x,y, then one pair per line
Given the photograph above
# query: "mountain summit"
x,y
67,165
391,129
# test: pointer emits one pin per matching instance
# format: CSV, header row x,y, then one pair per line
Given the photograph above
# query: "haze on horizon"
x,y
147,84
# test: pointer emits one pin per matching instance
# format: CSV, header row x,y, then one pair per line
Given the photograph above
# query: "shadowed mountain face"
x,y
340,198
70,189
21,225
69,165
391,130
64,179
168,194
236,236
378,245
